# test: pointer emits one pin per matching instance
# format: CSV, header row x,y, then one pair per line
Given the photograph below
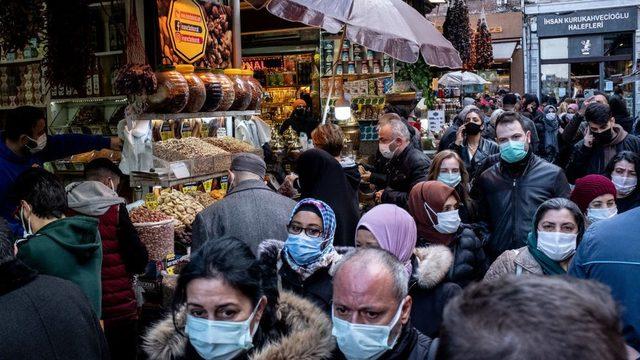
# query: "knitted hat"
x,y
249,162
589,188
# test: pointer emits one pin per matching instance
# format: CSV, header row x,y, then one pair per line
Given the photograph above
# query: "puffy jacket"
x,y
469,260
507,204
403,172
593,160
486,148
510,261
301,331
430,288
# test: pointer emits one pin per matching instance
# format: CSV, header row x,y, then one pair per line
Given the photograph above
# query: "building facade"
x,y
575,48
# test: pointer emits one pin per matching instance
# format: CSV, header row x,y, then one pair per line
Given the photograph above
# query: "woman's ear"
x,y
260,311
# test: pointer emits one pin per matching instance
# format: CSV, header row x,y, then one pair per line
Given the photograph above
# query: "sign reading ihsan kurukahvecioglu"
x,y
588,22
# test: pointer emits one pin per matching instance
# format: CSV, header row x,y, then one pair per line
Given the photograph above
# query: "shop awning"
x,y
503,51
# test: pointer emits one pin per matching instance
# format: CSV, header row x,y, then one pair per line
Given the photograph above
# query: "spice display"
x,y
230,144
218,194
241,89
213,89
172,94
136,79
156,231
256,90
228,93
203,198
197,91
206,158
179,205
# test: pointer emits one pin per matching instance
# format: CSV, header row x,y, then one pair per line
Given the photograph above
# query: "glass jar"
x,y
213,88
172,94
197,91
256,90
228,92
241,88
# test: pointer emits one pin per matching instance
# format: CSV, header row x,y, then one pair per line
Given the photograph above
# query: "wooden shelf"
x,y
21,61
180,116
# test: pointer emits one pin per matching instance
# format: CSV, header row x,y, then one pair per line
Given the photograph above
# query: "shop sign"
x,y
262,62
436,120
585,46
187,29
588,22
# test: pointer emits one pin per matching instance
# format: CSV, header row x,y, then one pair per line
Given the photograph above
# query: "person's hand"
x,y
291,178
366,176
116,143
379,196
460,135
588,138
585,104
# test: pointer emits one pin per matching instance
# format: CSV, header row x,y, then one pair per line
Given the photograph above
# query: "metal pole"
x,y
236,36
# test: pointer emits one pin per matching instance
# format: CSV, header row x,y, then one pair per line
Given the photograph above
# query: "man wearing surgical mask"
x,y
371,309
603,139
407,165
24,143
509,192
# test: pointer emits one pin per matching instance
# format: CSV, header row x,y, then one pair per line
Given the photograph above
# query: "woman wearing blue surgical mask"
x,y
448,168
622,172
434,206
304,259
595,195
227,306
470,145
558,227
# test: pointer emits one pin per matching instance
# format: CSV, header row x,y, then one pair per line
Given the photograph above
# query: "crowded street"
x,y
320,180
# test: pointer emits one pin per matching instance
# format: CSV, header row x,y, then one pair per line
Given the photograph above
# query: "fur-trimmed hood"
x,y
308,334
433,264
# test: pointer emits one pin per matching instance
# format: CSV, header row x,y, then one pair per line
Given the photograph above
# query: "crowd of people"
x,y
517,240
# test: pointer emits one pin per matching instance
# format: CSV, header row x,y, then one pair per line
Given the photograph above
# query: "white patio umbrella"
x,y
461,78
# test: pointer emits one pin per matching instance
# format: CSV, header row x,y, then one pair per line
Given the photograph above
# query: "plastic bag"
x,y
137,152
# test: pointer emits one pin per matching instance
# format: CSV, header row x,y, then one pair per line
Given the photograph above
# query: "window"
x,y
557,48
554,79
618,44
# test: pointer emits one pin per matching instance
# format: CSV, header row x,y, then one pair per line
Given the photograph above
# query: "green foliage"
x,y
420,75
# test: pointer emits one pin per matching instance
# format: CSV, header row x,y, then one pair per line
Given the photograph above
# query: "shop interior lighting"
x,y
342,109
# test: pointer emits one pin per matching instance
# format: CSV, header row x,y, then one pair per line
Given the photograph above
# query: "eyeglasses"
x,y
296,230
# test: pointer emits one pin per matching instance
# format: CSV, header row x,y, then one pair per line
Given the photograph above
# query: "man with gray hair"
x,y
250,211
43,317
407,165
371,309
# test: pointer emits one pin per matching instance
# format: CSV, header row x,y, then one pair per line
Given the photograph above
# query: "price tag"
x,y
151,201
208,185
180,170
224,183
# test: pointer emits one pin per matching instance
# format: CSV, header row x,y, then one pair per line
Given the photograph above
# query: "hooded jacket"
x,y
429,287
123,253
71,249
304,333
593,160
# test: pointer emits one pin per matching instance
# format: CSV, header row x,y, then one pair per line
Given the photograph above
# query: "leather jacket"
x,y
507,204
485,149
404,171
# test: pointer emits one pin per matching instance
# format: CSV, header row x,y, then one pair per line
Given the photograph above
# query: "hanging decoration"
x,y
470,65
483,48
456,28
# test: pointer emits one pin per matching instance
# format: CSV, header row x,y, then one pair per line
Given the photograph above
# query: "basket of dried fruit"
x,y
156,232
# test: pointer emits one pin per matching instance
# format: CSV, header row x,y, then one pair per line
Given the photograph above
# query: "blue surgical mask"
x,y
450,179
303,249
512,151
601,214
361,341
218,340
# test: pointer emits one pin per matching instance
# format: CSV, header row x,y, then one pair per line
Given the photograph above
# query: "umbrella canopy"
x,y
459,78
388,26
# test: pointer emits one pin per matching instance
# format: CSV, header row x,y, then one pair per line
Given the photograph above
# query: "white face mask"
x,y
41,143
624,185
26,227
556,245
448,222
385,150
601,214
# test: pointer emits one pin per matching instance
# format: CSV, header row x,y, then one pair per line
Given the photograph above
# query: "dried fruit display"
x,y
228,93
206,158
197,91
156,231
136,79
213,89
203,198
179,205
172,94
230,144
241,88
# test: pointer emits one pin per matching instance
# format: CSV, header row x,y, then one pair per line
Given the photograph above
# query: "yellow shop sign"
x,y
187,29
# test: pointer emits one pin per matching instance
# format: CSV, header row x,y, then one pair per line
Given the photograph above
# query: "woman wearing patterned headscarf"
x,y
304,259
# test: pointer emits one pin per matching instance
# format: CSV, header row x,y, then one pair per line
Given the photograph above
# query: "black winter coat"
x,y
485,149
629,202
403,172
429,287
44,317
507,204
585,161
470,263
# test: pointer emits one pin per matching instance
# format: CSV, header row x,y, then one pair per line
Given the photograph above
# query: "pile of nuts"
x,y
179,205
183,235
155,232
189,148
230,144
218,53
203,198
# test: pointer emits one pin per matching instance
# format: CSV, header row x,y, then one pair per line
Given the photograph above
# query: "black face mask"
x,y
471,128
604,137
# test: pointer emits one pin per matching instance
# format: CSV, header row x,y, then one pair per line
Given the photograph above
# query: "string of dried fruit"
x,y
69,53
20,21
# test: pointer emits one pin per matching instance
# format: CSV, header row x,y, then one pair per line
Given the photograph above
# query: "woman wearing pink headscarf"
x,y
391,228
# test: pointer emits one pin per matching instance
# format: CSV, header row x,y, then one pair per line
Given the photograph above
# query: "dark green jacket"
x,y
70,249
